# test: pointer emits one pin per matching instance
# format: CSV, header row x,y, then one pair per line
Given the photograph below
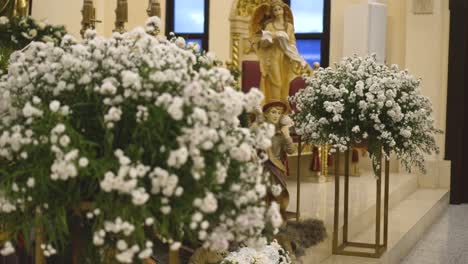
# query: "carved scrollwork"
x,y
245,8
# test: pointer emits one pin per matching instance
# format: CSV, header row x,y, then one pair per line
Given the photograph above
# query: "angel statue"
x,y
272,34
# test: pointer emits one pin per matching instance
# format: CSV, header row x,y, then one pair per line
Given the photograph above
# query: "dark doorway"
x,y
457,98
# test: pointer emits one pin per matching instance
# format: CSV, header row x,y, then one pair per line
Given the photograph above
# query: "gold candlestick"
x,y
121,13
89,16
154,8
21,8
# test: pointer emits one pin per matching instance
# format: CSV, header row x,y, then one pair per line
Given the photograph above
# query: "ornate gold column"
x,y
13,8
235,50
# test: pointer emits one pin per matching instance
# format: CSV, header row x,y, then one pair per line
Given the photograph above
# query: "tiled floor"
x,y
446,242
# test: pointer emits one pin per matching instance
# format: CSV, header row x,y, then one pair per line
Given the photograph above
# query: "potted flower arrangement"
x,y
17,32
364,102
112,143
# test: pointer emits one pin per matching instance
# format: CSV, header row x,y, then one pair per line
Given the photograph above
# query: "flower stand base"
x,y
371,250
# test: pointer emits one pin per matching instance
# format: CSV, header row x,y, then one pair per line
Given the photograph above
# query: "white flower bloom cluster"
x,y
364,101
269,254
153,25
7,249
143,128
13,141
48,250
4,20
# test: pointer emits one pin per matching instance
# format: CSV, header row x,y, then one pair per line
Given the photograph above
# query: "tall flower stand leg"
x,y
38,252
379,246
174,257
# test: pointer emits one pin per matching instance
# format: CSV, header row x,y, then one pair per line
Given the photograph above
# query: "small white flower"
x,y
4,20
83,162
64,140
149,221
122,245
31,182
175,246
54,106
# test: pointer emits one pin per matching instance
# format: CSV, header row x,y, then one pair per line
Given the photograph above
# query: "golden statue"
x,y
272,34
13,8
274,112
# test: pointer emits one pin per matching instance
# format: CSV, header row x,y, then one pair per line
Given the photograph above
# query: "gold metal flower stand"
x,y
346,247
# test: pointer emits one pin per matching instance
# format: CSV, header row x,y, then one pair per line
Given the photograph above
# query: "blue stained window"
x,y
309,50
308,15
199,41
189,16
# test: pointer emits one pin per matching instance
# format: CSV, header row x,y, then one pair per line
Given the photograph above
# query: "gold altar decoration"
x,y
376,249
89,16
235,50
14,8
246,7
121,16
154,8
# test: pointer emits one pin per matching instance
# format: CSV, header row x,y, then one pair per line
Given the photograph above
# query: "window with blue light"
x,y
308,15
189,16
312,29
310,49
189,19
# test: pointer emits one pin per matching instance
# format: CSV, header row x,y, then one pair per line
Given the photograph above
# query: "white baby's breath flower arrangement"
x,y
268,254
126,140
365,102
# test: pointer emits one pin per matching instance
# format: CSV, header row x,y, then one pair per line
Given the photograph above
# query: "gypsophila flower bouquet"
x,y
269,254
362,101
125,140
17,32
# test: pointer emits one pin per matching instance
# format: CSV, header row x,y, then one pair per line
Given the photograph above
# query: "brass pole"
x,y
174,257
346,198
38,253
387,186
298,198
379,202
337,204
